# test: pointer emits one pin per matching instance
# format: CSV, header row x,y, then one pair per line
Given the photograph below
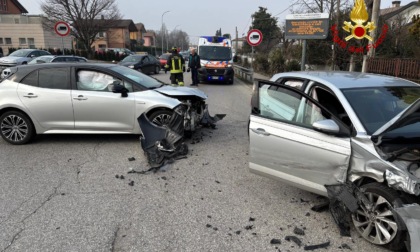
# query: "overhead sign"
x,y
254,37
62,28
307,26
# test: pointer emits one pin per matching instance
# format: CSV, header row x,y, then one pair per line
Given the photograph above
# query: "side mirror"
x,y
118,88
326,126
32,56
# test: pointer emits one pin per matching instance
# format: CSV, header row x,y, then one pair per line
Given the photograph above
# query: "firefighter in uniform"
x,y
175,65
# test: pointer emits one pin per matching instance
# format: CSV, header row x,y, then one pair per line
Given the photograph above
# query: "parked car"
x,y
57,58
163,59
89,98
341,133
120,51
20,57
143,63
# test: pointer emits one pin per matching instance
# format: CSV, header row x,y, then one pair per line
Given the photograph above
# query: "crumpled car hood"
x,y
181,91
406,117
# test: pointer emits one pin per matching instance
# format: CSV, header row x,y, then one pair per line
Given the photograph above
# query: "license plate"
x,y
215,77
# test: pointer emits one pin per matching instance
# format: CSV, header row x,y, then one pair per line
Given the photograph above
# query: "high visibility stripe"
x,y
176,68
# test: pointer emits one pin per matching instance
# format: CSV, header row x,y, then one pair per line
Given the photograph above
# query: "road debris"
x,y
275,241
298,231
131,159
294,239
318,246
344,246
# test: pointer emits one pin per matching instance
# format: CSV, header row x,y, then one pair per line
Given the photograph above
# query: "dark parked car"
x,y
163,59
143,63
57,58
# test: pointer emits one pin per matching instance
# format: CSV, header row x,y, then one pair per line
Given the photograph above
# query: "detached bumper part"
x,y
210,121
162,144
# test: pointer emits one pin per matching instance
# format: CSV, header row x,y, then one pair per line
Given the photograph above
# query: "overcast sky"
x,y
197,18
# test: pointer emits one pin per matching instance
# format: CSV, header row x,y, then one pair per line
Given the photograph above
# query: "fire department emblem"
x,y
359,16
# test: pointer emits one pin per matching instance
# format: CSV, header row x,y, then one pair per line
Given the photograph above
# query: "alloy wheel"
x,y
14,128
377,225
161,119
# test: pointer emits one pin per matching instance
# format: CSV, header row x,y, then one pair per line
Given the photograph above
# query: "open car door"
x,y
296,140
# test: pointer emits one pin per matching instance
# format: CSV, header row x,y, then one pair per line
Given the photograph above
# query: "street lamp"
x,y
176,44
163,35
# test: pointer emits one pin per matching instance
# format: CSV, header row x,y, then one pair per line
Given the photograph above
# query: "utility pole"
x,y
334,56
236,44
374,19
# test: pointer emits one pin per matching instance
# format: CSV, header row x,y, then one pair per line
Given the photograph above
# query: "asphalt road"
x,y
60,193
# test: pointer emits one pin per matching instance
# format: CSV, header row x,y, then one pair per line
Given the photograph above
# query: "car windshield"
x,y
376,106
19,53
132,58
137,77
215,53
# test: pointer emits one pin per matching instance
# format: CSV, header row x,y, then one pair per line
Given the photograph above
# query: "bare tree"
x,y
86,17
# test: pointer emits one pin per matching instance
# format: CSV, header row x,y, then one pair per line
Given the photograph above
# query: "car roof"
x,y
23,70
344,80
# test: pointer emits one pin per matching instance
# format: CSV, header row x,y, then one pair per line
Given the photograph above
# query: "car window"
x,y
55,79
43,53
145,60
34,54
94,81
282,104
326,98
31,79
59,59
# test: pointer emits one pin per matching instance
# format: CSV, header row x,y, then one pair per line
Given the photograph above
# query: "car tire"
x,y
160,117
16,128
157,70
385,229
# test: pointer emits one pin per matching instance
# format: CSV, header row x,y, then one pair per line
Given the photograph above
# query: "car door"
x,y
96,107
46,94
285,145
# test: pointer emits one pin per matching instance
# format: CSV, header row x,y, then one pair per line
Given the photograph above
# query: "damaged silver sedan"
x,y
349,136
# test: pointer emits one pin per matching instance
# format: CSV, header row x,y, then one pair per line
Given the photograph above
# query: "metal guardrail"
x,y
246,74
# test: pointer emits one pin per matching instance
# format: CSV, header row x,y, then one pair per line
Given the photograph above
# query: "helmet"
x,y
174,50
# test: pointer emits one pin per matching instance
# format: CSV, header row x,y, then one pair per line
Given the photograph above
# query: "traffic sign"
x,y
62,28
254,37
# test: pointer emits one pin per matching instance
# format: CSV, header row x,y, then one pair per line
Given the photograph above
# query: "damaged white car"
x,y
83,98
352,137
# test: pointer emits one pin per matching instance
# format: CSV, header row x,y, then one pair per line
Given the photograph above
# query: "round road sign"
x,y
254,37
62,28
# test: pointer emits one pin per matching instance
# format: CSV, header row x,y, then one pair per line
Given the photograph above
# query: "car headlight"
x,y
229,65
130,66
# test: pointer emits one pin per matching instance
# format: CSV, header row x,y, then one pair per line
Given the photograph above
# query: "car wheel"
x,y
160,117
16,127
379,225
157,70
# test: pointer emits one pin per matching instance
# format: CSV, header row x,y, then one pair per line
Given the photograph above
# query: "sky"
x,y
197,18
